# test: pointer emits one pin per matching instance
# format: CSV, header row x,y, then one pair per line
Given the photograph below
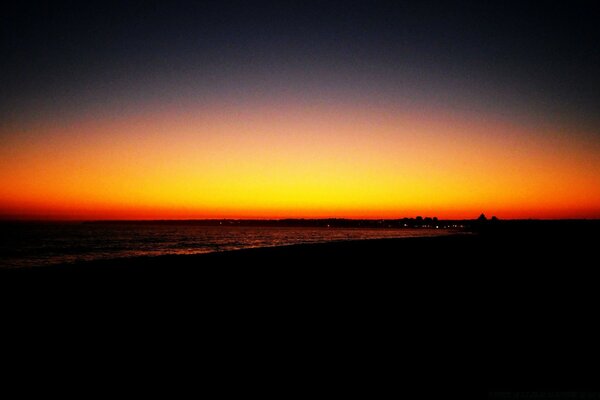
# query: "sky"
x,y
157,110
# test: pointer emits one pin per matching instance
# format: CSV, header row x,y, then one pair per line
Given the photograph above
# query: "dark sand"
x,y
512,304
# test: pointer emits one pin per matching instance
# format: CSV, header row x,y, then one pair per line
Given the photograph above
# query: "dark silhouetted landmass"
x,y
512,302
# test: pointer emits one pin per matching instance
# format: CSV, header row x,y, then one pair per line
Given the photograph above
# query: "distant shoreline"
x,y
283,221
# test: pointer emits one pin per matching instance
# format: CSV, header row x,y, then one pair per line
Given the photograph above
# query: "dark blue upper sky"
x,y
541,58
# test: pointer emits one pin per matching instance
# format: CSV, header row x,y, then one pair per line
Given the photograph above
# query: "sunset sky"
x,y
155,110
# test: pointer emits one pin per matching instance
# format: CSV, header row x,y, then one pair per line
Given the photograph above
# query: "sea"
x,y
39,244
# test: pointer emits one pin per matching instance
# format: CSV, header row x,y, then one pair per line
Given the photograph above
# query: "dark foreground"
x,y
511,306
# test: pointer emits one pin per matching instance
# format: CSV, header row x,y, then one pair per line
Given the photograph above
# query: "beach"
x,y
490,300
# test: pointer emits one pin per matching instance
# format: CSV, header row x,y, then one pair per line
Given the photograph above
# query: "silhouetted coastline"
x,y
510,300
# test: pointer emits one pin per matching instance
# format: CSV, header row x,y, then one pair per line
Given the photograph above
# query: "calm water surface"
x,y
29,244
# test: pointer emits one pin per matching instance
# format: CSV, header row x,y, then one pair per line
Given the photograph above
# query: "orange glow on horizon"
x,y
288,161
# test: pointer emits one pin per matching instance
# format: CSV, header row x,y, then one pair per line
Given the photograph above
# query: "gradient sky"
x,y
299,109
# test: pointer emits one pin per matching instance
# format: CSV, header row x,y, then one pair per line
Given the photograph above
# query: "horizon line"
x,y
49,220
